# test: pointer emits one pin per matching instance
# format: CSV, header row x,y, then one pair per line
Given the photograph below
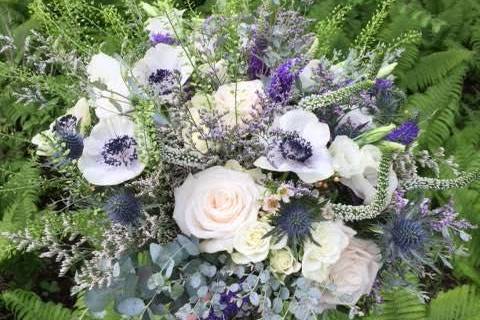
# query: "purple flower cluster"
x,y
382,85
256,66
444,217
405,134
162,38
230,301
281,84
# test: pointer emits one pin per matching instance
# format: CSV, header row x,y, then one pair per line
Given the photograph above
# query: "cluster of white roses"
x,y
222,207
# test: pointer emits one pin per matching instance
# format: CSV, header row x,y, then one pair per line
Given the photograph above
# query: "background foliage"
x,y
441,76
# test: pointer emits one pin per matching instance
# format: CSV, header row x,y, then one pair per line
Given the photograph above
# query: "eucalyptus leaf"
x,y
131,306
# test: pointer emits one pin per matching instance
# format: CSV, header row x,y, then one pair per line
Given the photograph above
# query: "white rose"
x,y
331,239
238,100
213,204
364,184
250,243
283,262
353,274
346,157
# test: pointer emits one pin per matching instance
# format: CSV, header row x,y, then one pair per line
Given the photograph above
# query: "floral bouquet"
x,y
234,168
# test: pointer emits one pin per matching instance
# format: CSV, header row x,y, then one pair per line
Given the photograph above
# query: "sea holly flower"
x,y
298,144
110,154
68,129
164,68
123,208
111,96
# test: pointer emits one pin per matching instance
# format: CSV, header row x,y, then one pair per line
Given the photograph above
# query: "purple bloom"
x,y
162,38
282,81
382,85
447,217
256,66
228,299
405,134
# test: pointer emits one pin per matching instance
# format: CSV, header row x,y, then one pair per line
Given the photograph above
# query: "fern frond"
x,y
326,29
27,305
400,304
459,303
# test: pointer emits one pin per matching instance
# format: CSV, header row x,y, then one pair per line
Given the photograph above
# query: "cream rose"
x,y
283,262
238,100
250,243
213,204
331,239
353,274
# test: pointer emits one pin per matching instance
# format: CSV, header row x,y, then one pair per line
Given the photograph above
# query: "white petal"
x,y
317,133
307,75
294,120
166,57
108,71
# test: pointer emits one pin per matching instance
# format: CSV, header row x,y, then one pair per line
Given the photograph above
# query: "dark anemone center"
x,y
159,76
407,234
295,220
120,151
294,147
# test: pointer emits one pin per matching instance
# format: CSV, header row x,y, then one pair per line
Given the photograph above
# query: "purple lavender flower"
x,y
446,217
282,81
405,134
162,38
256,66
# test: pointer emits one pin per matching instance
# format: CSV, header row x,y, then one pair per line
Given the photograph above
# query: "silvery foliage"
x,y
178,276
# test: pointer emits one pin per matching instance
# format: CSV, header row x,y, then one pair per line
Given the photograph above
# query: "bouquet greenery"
x,y
234,166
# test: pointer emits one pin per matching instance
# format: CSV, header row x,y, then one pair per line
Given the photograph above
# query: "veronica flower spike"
x,y
110,154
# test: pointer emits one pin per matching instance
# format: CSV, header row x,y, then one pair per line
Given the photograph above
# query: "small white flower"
x,y
363,184
283,262
298,145
346,156
110,154
250,243
164,68
331,239
77,116
114,99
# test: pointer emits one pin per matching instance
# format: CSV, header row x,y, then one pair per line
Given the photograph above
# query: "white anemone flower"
x,y
113,99
165,26
77,117
163,67
298,144
110,154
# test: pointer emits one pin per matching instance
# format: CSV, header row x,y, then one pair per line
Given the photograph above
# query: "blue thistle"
x,y
405,134
294,221
74,145
281,84
66,130
407,234
230,308
123,208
